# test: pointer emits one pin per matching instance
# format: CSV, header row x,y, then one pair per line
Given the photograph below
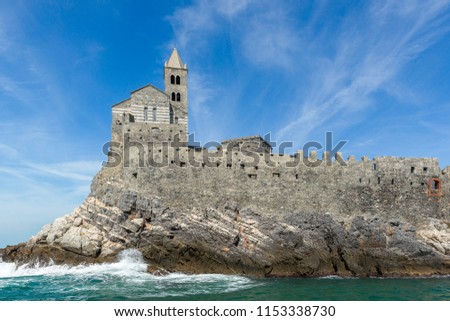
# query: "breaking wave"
x,y
126,279
129,262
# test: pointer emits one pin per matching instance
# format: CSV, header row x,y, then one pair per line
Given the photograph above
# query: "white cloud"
x,y
366,60
231,8
340,67
8,152
269,39
201,96
79,171
91,53
5,36
192,22
21,91
4,42
32,195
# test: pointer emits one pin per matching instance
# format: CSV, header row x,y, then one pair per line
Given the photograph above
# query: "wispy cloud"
x,y
14,164
230,8
32,195
334,65
45,167
270,37
91,53
368,56
79,171
194,22
7,152
202,97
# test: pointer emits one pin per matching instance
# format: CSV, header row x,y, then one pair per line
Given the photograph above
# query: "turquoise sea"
x,y
127,280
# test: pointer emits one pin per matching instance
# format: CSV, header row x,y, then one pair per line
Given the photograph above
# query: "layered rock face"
x,y
219,227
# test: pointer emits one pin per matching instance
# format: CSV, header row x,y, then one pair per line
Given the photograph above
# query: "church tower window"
x,y
178,80
172,79
178,97
173,96
171,114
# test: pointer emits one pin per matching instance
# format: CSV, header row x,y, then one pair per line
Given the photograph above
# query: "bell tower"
x,y
175,84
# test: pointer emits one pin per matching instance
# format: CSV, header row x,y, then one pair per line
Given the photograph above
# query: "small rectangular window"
x,y
145,113
425,169
413,169
154,114
436,185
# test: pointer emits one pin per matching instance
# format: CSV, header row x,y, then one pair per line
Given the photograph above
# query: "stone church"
x,y
164,111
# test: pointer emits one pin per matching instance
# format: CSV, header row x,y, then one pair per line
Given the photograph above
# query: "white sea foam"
x,y
330,277
7,269
130,262
132,267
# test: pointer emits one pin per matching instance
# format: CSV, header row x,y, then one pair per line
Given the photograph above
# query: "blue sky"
x,y
375,73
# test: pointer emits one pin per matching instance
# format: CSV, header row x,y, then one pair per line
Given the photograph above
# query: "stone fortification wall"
x,y
145,133
271,183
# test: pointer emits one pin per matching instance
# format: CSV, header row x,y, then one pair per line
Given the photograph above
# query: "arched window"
x,y
173,96
145,113
171,114
172,79
154,113
178,97
178,80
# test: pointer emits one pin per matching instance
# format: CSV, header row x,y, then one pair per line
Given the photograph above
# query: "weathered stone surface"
x,y
71,240
233,240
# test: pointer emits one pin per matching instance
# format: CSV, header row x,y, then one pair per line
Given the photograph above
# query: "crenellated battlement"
x,y
165,147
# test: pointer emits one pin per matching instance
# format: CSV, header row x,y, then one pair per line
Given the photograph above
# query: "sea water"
x,y
128,280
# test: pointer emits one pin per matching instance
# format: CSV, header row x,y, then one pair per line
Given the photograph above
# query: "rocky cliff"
x,y
218,227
